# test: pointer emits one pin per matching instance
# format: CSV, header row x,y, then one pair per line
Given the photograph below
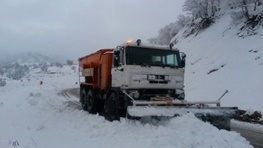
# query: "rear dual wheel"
x,y
88,101
83,96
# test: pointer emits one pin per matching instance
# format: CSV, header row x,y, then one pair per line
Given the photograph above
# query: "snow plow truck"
x,y
135,80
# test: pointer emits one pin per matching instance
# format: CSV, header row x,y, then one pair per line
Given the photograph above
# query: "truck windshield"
x,y
152,57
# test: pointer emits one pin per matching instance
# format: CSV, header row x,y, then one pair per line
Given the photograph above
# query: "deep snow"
x,y
238,61
35,116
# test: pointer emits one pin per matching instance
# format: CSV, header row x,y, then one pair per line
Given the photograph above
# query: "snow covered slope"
x,y
219,60
16,66
35,116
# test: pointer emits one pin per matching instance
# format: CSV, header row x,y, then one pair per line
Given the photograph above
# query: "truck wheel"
x,y
91,102
83,98
112,107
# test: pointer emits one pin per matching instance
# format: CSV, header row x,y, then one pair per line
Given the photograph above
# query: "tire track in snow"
x,y
72,101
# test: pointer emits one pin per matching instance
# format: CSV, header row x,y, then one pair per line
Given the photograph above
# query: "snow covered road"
x,y
34,116
251,132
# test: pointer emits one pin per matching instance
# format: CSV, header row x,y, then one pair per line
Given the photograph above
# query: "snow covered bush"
x,y
59,64
201,15
248,11
237,17
2,71
165,34
73,68
169,31
2,83
69,62
16,71
182,21
202,8
35,66
255,20
44,68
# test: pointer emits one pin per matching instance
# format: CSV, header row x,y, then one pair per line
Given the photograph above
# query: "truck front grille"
x,y
158,82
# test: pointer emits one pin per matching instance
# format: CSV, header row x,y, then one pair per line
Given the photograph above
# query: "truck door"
x,y
118,68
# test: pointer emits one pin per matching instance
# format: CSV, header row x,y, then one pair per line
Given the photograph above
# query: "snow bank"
x,y
248,126
219,60
35,116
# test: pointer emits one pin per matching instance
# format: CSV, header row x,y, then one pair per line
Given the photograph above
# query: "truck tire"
x,y
91,102
83,98
112,107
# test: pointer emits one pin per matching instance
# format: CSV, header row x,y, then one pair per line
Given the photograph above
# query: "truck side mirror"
x,y
116,58
183,60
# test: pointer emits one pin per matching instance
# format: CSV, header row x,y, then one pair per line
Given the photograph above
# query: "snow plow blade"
x,y
218,116
170,111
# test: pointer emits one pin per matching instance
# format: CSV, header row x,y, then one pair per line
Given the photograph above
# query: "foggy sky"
x,y
74,28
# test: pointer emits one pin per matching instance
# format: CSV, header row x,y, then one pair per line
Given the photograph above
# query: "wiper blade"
x,y
144,65
171,66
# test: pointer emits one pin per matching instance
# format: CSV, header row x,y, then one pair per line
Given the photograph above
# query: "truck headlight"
x,y
176,78
138,77
151,77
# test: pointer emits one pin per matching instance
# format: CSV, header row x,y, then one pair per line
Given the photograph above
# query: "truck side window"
x,y
116,58
122,56
172,60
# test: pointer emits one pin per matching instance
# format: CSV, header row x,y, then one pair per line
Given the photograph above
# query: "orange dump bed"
x,y
96,68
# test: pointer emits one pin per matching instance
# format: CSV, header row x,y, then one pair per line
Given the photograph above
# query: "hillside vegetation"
x,y
201,14
17,66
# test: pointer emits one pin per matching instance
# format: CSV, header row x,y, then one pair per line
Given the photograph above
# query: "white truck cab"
x,y
146,71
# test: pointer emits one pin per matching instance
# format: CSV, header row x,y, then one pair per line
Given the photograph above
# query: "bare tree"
x,y
69,62
165,34
58,64
257,3
202,8
245,9
182,21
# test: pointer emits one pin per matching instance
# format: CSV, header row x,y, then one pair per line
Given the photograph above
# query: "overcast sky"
x,y
74,28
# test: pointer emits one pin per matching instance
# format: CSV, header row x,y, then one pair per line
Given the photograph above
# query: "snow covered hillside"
x,y
36,116
18,65
220,59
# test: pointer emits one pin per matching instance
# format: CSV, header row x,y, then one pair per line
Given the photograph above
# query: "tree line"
x,y
200,14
